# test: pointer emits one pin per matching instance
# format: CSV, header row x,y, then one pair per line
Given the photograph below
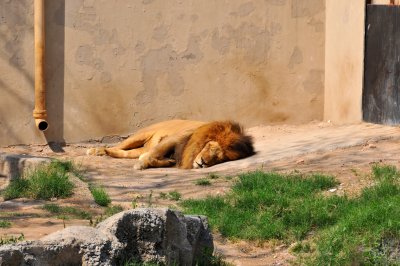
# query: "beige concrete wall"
x,y
115,66
344,60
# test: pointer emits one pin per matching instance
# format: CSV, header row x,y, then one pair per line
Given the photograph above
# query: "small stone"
x,y
300,161
371,146
332,190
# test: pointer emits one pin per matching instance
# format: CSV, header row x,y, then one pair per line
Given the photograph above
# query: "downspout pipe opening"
x,y
41,124
40,117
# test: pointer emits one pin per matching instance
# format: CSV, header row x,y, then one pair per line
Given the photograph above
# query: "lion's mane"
x,y
230,136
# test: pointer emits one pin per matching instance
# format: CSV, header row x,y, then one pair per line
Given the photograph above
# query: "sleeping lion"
x,y
186,144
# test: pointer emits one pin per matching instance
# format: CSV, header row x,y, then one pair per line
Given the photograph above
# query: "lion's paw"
x,y
139,165
96,151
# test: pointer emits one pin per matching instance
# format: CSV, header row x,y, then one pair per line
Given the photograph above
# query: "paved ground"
x,y
344,151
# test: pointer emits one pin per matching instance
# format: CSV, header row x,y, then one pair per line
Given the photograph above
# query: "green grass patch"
x,y
345,231
44,182
100,196
368,233
66,212
270,206
174,195
16,189
203,182
5,224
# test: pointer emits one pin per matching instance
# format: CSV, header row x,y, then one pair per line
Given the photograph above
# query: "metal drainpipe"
x,y
40,113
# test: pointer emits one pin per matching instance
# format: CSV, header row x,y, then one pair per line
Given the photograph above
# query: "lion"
x,y
183,143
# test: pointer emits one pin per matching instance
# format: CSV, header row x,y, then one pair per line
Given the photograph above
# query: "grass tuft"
x,y
384,172
174,195
114,209
5,224
203,182
213,176
100,196
66,212
5,240
44,182
16,189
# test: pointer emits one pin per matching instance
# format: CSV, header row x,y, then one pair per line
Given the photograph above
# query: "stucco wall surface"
x,y
116,66
344,60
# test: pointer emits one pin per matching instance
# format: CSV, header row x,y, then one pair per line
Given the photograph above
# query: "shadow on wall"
x,y
54,69
13,20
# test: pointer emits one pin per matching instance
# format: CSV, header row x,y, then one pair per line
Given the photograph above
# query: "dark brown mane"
x,y
228,134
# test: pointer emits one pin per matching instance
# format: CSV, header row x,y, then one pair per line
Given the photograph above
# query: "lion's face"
x,y
210,155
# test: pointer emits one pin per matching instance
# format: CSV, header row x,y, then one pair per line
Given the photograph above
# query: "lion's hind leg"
x,y
128,154
131,147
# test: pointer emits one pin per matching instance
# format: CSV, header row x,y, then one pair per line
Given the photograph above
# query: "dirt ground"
x,y
347,152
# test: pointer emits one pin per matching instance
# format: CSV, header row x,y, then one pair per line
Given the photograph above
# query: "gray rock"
x,y
160,235
148,235
75,245
200,238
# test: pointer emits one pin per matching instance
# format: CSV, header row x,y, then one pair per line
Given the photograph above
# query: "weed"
x,y
52,208
11,239
229,177
109,211
174,195
134,203
100,196
65,212
218,260
5,224
44,182
301,247
16,189
17,214
384,172
213,176
163,195
139,263
114,209
150,199
203,182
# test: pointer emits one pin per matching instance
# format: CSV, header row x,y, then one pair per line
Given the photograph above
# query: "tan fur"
x,y
188,144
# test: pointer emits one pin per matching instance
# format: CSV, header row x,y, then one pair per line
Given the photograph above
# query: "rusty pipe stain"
x,y
40,113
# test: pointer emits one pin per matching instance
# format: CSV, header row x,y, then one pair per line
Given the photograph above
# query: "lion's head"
x,y
214,143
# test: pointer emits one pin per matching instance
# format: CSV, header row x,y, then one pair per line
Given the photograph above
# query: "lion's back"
x,y
171,126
